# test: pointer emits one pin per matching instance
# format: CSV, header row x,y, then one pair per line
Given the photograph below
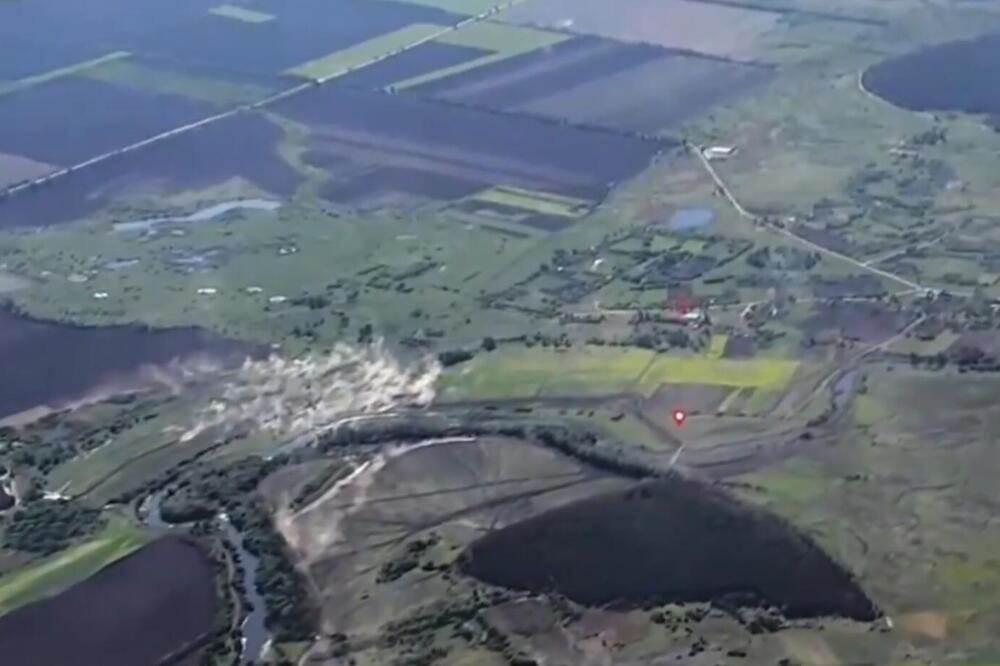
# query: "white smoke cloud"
x,y
305,396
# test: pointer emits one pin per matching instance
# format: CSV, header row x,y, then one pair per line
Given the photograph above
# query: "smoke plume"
x,y
292,398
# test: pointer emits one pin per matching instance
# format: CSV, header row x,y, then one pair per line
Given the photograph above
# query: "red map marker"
x,y
679,416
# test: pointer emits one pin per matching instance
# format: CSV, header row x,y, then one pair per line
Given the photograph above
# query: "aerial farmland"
x,y
387,332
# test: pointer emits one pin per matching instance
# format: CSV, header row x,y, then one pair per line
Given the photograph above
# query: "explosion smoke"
x,y
306,396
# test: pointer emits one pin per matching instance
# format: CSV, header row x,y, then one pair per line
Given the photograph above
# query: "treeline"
x,y
205,489
966,358
574,441
43,528
290,614
58,438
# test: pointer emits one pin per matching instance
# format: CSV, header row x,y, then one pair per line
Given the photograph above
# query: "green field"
x,y
717,346
755,372
341,62
62,570
909,483
543,203
370,254
899,487
503,40
241,14
523,373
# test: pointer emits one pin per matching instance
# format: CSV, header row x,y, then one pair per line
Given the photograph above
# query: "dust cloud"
x,y
306,396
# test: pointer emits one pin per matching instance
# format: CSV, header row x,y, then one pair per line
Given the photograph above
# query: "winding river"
x,y
253,627
203,215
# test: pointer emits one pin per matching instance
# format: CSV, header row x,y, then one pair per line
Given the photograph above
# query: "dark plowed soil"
x,y
137,611
51,364
670,540
866,322
963,71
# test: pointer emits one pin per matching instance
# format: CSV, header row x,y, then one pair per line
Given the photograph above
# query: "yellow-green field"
x,y
341,62
503,40
760,373
60,571
717,346
524,373
544,203
241,14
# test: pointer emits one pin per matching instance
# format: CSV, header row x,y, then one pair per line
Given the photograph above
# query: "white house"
x,y
719,152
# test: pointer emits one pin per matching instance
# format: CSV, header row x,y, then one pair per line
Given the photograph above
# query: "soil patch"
x,y
719,29
356,542
355,131
739,346
424,59
16,169
50,364
41,36
601,82
33,121
675,540
244,145
964,75
136,611
864,322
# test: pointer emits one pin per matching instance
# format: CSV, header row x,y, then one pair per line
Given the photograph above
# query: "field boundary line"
x,y
636,384
285,94
62,72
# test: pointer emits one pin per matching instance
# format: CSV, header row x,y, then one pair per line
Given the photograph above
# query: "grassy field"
x,y
243,14
504,40
343,61
717,346
626,428
756,372
131,457
522,373
62,570
368,253
903,499
449,493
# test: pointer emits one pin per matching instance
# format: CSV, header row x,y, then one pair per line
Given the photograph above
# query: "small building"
x,y
695,317
719,152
